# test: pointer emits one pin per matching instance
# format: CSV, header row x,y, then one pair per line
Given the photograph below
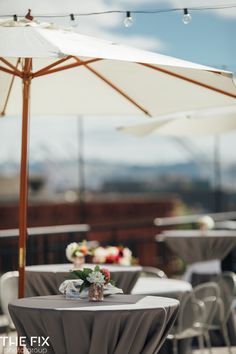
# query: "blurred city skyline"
x,y
59,137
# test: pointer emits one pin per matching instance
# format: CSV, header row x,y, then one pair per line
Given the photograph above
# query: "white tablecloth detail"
x,y
207,267
161,287
71,289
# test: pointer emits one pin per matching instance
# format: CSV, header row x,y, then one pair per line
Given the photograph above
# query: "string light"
x,y
128,21
186,17
73,21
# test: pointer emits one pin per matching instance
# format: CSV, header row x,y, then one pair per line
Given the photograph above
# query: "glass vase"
x,y
95,292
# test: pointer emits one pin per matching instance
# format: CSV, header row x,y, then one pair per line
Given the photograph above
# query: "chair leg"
x,y
4,347
226,338
208,341
175,346
201,343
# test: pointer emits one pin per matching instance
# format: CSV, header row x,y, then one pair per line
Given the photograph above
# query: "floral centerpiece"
x,y
94,280
76,252
89,283
113,254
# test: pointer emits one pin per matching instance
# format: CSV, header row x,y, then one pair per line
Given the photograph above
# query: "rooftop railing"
x,y
139,235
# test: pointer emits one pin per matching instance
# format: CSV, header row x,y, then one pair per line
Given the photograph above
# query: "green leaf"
x,y
82,287
81,274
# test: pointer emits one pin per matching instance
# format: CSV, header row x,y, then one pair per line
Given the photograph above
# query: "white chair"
x,y
208,295
153,271
227,285
8,293
185,325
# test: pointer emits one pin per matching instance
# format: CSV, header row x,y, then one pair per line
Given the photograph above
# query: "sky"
x,y
209,39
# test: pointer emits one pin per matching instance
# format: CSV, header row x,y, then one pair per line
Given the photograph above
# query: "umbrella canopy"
x,y
195,123
105,77
64,72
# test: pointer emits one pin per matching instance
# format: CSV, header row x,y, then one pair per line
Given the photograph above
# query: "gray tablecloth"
x,y
45,279
121,324
195,246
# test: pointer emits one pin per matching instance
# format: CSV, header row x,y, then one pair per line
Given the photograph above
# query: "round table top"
x,y
112,302
160,286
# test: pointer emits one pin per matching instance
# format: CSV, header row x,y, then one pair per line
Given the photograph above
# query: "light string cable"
x,y
125,12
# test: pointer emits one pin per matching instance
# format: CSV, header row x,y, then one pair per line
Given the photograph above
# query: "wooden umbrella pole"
x,y
24,176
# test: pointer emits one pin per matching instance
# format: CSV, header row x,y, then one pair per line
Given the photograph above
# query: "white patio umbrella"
x,y
67,73
213,122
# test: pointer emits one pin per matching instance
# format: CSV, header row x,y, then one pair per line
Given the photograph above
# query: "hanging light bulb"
x,y
128,21
73,21
186,17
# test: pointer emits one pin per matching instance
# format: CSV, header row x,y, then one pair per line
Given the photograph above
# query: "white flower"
x,y
70,250
127,257
206,222
127,253
96,277
100,255
124,261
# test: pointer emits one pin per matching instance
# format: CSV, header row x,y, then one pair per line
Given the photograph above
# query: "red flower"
x,y
106,274
121,253
112,258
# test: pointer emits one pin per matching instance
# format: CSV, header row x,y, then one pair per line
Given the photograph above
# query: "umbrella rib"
x,y
117,89
9,91
14,68
189,80
65,67
15,73
37,73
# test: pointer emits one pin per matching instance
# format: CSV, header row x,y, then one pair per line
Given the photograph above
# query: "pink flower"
x,y
106,274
